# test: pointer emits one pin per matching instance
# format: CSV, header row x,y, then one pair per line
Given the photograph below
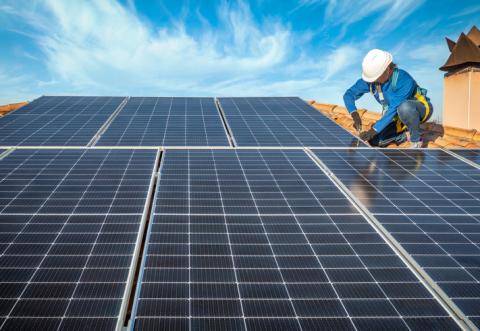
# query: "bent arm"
x,y
354,93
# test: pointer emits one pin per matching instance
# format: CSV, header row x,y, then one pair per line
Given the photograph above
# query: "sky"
x,y
308,48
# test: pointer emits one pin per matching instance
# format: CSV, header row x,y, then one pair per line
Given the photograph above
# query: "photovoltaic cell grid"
x,y
470,154
57,121
69,220
286,121
430,202
150,121
263,240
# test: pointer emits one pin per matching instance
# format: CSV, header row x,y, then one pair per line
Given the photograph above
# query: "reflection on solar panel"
x,y
166,122
470,154
57,121
282,122
430,202
263,240
69,221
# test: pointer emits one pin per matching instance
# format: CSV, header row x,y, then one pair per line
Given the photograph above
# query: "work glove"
x,y
357,121
367,135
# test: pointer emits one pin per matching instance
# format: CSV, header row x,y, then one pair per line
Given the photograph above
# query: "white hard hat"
x,y
374,64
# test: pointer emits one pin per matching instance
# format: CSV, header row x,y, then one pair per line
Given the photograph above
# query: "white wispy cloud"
x,y
106,48
344,57
467,11
92,43
14,86
385,15
396,11
103,47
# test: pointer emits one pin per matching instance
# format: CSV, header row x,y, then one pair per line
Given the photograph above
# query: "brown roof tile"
x,y
459,133
476,137
10,107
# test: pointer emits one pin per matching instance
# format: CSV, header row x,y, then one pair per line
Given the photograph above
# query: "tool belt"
x,y
420,96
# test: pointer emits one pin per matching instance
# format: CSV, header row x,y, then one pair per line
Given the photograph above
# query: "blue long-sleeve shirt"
x,y
405,89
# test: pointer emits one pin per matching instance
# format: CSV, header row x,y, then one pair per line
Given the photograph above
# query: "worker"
x,y
404,104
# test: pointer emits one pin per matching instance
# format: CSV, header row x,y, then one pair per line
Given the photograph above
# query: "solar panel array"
x,y
57,121
430,202
262,240
232,239
69,222
469,154
282,122
166,122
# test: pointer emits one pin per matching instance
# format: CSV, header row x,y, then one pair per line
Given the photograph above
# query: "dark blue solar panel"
x,y
263,240
470,154
287,121
57,121
430,202
69,223
166,122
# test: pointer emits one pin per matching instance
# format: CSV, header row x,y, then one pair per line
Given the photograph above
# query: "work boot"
x,y
417,144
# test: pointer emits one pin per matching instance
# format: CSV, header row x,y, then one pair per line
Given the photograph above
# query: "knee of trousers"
x,y
406,110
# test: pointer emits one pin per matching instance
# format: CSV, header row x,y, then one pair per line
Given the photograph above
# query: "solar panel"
x,y
263,240
69,222
151,121
430,202
287,121
469,154
57,121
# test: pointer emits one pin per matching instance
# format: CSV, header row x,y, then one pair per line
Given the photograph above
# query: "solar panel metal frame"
x,y
107,123
4,152
468,155
136,254
137,288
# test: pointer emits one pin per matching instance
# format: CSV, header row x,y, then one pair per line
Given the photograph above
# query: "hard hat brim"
x,y
369,79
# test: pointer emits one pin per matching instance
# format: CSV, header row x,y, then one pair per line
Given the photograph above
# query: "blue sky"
x,y
309,48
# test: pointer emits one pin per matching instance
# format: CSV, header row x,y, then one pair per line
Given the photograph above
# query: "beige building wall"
x,y
461,100
475,100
